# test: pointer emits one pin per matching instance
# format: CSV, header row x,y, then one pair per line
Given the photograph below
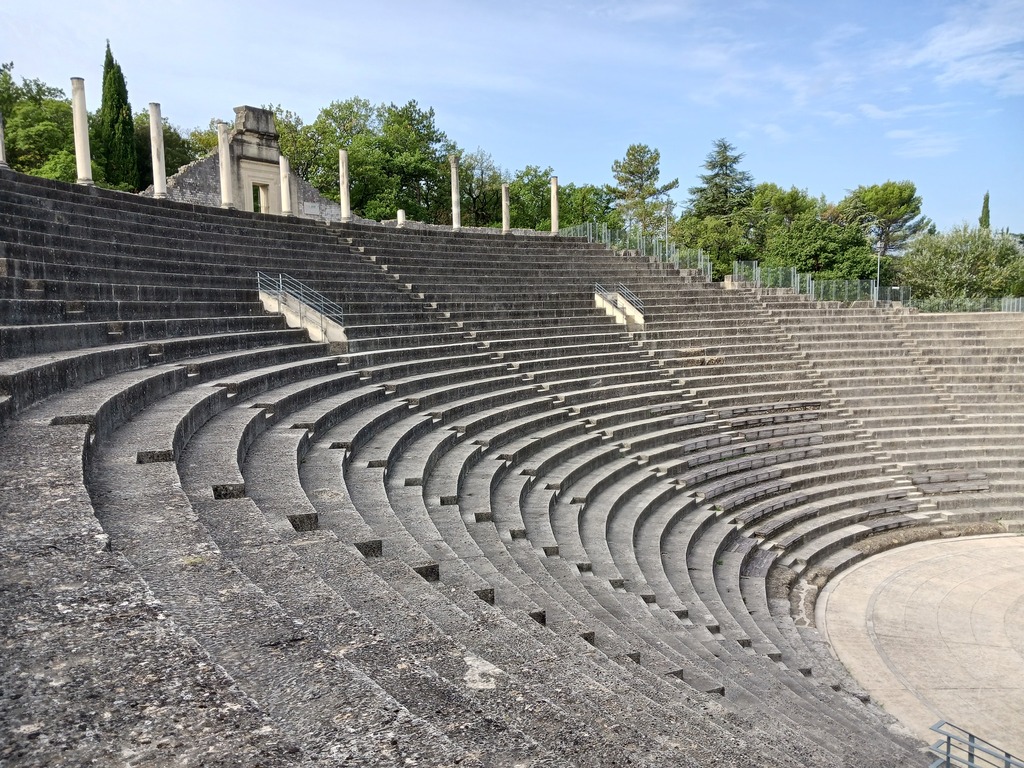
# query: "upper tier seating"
x,y
496,528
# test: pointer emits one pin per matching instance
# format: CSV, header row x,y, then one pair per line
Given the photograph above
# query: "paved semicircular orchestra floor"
x,y
935,630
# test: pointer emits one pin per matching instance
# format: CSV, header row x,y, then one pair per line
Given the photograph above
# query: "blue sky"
x,y
822,95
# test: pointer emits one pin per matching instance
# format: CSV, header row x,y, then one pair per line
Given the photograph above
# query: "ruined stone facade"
x,y
255,159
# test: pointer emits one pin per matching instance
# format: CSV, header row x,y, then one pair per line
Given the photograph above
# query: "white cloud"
x,y
638,12
921,142
980,42
776,132
874,112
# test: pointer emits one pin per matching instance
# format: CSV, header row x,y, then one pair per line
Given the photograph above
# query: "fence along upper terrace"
x,y
848,291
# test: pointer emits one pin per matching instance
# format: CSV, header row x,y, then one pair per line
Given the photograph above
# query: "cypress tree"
x,y
983,220
116,128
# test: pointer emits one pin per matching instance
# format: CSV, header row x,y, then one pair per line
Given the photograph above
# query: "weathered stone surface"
x,y
575,547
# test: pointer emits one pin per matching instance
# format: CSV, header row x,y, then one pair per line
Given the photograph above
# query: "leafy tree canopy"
x,y
583,203
397,156
179,150
480,181
38,126
890,214
529,194
964,262
636,187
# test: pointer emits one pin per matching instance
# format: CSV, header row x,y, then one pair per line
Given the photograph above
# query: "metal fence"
x,y
821,289
970,304
692,258
847,291
654,247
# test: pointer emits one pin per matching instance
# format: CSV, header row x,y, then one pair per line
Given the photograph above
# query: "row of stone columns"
x,y
83,160
453,161
83,155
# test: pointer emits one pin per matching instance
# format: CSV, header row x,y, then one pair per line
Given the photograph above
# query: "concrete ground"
x,y
935,631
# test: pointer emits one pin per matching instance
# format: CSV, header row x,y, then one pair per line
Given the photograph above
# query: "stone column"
x,y
453,160
80,118
554,205
506,215
400,221
286,186
343,185
227,182
3,147
156,147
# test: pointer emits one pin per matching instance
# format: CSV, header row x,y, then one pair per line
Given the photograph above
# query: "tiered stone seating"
x,y
497,529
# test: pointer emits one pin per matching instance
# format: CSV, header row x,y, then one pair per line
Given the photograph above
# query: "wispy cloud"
x,y
638,12
980,42
874,112
922,142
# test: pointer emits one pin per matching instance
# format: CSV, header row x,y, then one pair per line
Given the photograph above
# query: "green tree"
x,y
480,181
984,220
718,218
36,131
38,126
964,262
583,203
397,156
11,93
529,194
336,127
724,189
772,207
637,190
205,138
298,141
821,247
722,238
179,150
116,129
890,214
411,154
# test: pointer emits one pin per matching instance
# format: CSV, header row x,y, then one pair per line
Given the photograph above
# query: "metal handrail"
x,y
620,291
281,285
631,297
960,747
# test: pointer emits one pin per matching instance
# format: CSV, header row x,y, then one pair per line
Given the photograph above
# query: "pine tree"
x,y
983,220
637,188
116,128
724,189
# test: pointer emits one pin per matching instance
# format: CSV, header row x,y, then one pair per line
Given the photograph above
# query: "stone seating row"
x,y
151,443
949,405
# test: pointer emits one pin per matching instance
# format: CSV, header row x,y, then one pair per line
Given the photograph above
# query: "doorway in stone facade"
x,y
261,198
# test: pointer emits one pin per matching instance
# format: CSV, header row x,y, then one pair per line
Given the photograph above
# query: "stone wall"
x,y
197,183
310,204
